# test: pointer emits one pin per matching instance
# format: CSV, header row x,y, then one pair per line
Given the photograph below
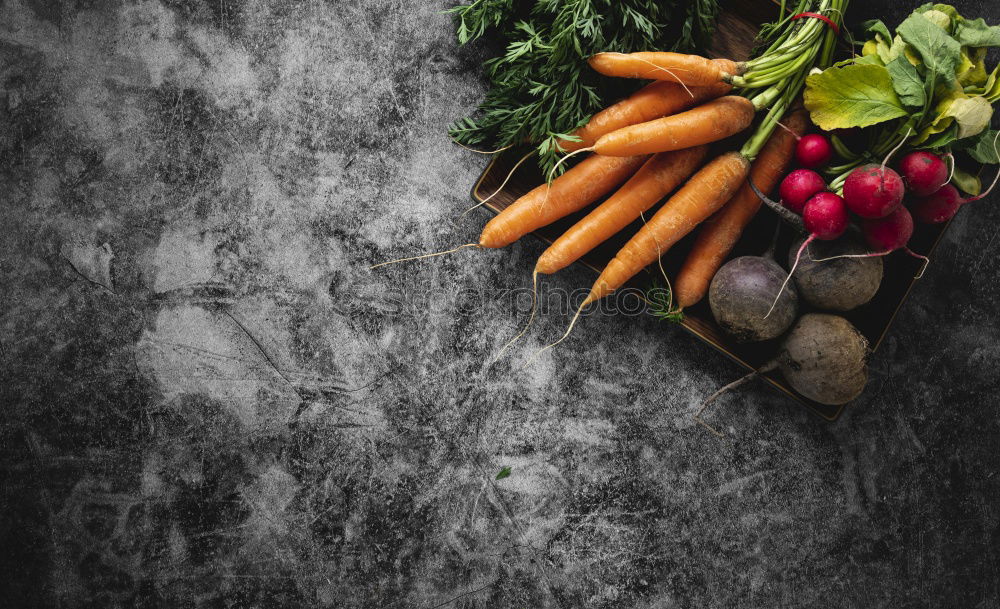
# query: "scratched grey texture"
x,y
209,400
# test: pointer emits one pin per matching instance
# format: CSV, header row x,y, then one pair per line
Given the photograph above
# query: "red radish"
x,y
924,172
825,217
873,191
939,207
886,235
813,151
943,204
890,233
798,187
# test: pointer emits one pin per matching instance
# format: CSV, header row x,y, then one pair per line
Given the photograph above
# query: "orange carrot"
x,y
721,232
709,122
703,195
657,178
593,178
692,70
653,101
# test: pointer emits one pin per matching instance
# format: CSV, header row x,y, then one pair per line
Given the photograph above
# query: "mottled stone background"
x,y
209,400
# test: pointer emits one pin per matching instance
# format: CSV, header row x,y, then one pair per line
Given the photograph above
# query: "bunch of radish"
x,y
873,193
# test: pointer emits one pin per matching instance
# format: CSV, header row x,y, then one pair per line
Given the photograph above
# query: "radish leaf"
x,y
852,96
940,52
907,82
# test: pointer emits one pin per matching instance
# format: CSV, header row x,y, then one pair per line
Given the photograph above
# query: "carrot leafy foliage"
x,y
540,87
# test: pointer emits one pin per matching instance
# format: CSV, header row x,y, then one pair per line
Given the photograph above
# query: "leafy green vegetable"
x,y
876,26
907,82
976,33
983,148
967,182
852,96
504,472
935,66
541,87
939,52
938,18
940,139
971,114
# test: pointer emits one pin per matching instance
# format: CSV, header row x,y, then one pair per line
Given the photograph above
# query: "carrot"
x,y
657,178
653,101
703,195
721,232
692,70
593,178
709,122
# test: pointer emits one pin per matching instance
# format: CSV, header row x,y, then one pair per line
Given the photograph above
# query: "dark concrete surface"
x,y
209,400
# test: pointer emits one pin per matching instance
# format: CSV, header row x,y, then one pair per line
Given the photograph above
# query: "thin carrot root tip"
x,y
451,251
502,185
498,150
531,318
564,337
548,178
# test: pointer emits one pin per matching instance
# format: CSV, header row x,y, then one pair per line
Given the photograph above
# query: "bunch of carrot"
x,y
674,119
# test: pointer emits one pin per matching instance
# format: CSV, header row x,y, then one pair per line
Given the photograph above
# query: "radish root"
x,y
923,267
894,151
997,177
451,251
869,255
783,212
798,258
793,134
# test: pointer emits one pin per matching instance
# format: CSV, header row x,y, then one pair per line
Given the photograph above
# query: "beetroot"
x,y
836,275
939,207
740,294
813,151
825,359
825,216
924,173
889,233
873,191
798,187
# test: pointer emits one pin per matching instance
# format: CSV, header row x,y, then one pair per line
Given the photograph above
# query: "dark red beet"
x,y
813,151
873,192
923,172
939,207
889,233
825,216
798,187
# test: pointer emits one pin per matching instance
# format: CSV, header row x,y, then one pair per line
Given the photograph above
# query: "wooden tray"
x,y
738,26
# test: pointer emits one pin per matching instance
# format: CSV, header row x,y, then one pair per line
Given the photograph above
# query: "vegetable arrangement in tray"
x,y
712,138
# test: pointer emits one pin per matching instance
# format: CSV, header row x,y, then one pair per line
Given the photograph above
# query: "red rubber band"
x,y
824,18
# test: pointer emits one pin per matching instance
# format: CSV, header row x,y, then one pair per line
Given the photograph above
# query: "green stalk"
x,y
782,70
